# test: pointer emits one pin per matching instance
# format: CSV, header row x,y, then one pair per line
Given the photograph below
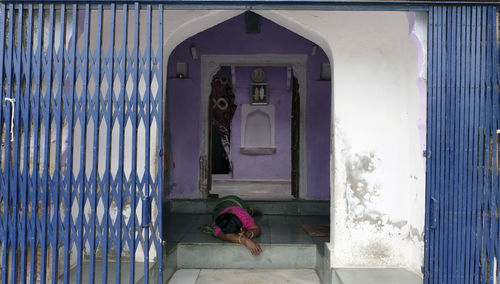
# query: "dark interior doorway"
x,y
222,109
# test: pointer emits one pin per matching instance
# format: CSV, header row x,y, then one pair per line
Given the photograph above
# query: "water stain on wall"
x,y
362,194
377,251
415,235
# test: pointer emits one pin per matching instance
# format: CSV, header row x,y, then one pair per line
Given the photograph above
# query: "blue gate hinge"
x,y
160,153
146,211
426,154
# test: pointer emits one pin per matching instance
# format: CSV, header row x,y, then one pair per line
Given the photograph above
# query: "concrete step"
x,y
292,207
375,276
234,256
254,276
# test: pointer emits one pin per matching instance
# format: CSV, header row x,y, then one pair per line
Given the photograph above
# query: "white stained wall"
x,y
377,168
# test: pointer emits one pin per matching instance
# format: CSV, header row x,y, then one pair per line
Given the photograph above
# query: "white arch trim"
x,y
210,64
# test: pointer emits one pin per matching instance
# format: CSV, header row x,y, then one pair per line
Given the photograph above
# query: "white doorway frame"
x,y
210,65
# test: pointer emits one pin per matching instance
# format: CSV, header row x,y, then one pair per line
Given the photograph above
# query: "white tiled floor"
x,y
244,276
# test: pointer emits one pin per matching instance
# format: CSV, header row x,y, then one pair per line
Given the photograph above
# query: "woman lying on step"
x,y
232,221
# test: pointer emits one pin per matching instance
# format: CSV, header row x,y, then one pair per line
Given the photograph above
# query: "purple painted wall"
x,y
183,106
277,165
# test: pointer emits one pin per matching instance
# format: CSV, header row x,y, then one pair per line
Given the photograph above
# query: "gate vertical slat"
x,y
14,172
430,88
133,114
83,61
159,119
452,152
472,142
35,177
457,221
57,116
482,111
495,203
479,142
68,111
488,143
469,142
25,112
120,115
3,110
7,115
491,133
147,124
36,222
46,109
448,183
94,115
440,142
435,146
107,113
461,134
467,145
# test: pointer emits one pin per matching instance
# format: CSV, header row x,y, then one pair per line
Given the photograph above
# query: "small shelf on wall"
x,y
257,130
258,150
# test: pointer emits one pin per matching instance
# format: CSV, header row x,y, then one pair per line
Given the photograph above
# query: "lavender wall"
x,y
277,165
183,105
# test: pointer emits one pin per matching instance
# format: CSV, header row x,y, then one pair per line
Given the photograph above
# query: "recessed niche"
x,y
257,130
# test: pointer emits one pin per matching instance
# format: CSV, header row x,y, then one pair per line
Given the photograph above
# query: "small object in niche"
x,y
325,72
258,75
181,70
259,94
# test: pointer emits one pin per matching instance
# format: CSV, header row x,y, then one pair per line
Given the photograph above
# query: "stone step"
x,y
292,207
375,276
234,256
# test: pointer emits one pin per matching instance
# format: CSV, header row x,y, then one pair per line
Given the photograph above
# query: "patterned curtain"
x,y
223,105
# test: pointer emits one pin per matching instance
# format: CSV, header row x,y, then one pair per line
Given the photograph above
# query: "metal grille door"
x,y
462,242
80,156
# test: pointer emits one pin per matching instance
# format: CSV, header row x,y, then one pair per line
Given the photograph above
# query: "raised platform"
x,y
290,207
285,244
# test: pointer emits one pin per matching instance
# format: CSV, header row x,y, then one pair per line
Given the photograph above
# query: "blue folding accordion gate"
x,y
462,241
81,153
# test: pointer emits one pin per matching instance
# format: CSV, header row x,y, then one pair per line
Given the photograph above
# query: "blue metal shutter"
x,y
463,194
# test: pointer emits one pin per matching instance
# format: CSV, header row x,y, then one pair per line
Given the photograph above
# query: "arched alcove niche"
x,y
257,130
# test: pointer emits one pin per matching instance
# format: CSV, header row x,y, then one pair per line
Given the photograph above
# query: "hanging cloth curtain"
x,y
223,103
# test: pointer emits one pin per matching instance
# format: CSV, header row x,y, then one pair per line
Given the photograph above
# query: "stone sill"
x,y
258,150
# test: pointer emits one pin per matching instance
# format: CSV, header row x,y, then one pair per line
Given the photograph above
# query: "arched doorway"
x,y
275,47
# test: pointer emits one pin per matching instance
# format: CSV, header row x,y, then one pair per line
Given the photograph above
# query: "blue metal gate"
x,y
462,241
80,129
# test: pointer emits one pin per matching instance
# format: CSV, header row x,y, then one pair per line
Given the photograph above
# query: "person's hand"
x,y
252,246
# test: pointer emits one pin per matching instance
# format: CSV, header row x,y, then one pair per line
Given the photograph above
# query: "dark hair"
x,y
228,223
